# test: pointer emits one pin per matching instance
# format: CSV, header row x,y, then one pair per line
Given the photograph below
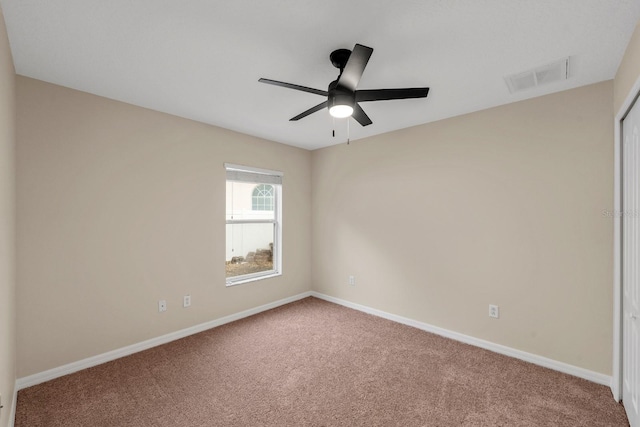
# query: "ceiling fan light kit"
x,y
342,94
341,111
340,101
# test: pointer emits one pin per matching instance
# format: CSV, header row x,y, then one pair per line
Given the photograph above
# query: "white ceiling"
x,y
201,59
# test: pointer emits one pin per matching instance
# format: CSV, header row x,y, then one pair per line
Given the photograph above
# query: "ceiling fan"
x,y
342,95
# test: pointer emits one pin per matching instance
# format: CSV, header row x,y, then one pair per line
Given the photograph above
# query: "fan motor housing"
x,y
340,96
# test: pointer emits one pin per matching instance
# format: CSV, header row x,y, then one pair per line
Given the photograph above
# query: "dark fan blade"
x,y
386,94
355,67
360,116
309,111
296,87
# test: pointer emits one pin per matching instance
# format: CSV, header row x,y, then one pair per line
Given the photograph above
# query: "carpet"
x,y
314,363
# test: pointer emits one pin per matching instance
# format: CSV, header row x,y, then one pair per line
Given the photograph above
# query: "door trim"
x,y
616,377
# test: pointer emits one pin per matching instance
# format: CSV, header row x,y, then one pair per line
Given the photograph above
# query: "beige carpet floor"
x,y
313,363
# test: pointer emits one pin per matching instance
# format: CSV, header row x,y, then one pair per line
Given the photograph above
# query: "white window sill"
x,y
253,279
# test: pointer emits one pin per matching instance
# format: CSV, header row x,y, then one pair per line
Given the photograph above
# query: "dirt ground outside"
x,y
239,269
254,262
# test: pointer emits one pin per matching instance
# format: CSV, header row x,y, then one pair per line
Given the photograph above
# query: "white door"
x,y
631,265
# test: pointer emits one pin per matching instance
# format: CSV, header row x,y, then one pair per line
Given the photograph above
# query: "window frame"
x,y
249,174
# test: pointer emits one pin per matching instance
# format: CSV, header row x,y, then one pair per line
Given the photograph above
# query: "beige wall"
x,y
118,207
503,206
7,230
628,72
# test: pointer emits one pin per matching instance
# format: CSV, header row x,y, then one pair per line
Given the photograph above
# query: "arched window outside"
x,y
262,198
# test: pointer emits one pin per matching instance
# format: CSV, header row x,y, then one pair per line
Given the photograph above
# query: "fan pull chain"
x,y
333,124
348,131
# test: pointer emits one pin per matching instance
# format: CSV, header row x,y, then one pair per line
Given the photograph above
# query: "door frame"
x,y
616,378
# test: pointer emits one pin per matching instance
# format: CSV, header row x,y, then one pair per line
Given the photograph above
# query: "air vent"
x,y
554,72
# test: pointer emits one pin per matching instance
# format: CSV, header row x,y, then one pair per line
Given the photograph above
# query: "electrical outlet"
x,y
494,311
162,305
352,281
186,301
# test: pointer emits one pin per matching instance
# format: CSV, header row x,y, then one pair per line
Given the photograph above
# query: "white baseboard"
x,y
14,403
487,345
70,368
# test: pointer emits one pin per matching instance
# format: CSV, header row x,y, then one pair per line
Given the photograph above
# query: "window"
x,y
254,224
262,198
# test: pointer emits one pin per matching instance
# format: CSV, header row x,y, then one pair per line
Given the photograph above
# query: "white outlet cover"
x,y
494,311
